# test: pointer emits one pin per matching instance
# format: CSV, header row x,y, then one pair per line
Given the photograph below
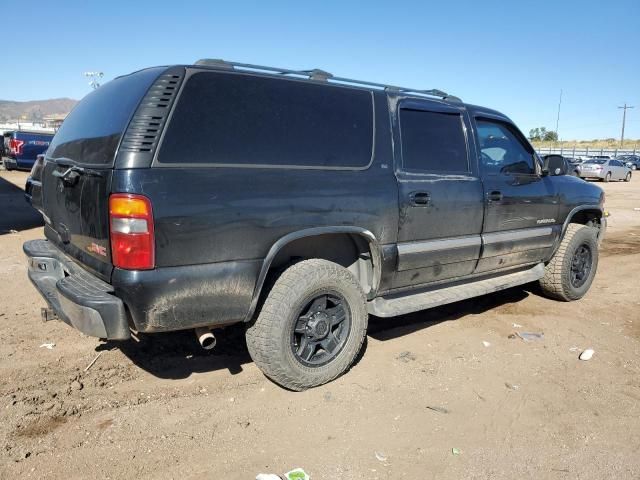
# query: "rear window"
x,y
92,131
230,119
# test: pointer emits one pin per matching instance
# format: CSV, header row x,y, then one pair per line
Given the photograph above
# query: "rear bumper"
x,y
78,298
591,174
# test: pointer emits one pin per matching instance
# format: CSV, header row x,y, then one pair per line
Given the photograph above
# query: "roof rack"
x,y
322,76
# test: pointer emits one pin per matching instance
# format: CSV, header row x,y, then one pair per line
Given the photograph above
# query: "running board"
x,y
391,307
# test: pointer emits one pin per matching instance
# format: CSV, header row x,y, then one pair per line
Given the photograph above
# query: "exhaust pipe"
x,y
206,338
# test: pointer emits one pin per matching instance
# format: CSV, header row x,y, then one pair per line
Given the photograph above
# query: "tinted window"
x,y
243,120
501,149
433,142
598,162
92,131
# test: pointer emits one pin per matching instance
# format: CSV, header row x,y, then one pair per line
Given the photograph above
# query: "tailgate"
x,y
76,213
76,179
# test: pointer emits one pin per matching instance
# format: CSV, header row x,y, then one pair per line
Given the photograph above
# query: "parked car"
x,y
606,170
24,147
195,197
631,161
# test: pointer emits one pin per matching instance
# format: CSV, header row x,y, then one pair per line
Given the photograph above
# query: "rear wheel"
x,y
607,177
570,272
311,326
628,177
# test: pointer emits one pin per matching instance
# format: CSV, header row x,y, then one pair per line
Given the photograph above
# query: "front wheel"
x,y
628,177
311,326
570,272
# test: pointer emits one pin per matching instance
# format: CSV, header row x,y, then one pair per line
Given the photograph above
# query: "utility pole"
x,y
558,117
624,120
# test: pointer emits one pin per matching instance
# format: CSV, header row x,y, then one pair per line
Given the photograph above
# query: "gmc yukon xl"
x,y
198,196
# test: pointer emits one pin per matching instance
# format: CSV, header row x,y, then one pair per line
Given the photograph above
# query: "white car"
x,y
605,169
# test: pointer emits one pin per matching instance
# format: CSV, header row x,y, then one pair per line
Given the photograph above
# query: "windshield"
x,y
91,133
599,162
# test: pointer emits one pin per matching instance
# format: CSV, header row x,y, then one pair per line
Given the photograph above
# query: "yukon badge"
x,y
95,248
546,220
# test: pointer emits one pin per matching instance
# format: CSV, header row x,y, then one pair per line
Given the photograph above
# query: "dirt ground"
x,y
163,408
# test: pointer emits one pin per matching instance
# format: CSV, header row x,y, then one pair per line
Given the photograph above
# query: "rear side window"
x,y
433,142
92,131
230,119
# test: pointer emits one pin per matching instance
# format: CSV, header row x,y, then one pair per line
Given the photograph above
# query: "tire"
x,y
628,177
7,167
274,339
607,177
559,281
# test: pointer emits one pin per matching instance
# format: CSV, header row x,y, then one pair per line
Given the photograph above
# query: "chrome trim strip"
x,y
426,246
514,235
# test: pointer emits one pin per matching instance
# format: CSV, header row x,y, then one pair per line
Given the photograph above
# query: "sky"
x,y
513,56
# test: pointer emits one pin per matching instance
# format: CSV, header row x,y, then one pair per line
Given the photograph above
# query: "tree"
x,y
542,134
534,134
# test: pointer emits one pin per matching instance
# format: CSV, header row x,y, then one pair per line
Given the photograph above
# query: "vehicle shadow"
x,y
177,355
17,214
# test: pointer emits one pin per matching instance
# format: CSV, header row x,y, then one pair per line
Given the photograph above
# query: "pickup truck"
x,y
298,203
24,147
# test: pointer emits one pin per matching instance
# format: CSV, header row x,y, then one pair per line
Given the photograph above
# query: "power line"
x,y
624,120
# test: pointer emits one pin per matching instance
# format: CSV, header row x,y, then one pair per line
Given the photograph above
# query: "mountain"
x,y
34,109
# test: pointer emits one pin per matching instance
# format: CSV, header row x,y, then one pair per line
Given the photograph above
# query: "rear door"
x,y
76,181
440,194
521,205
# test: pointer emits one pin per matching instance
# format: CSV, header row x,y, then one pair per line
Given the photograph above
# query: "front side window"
x,y
237,119
501,149
433,142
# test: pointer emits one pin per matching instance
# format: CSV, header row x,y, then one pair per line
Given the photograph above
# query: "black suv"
x,y
198,196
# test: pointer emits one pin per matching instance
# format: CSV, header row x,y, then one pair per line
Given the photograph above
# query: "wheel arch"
x,y
583,214
363,240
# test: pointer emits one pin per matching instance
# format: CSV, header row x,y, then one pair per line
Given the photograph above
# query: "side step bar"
x,y
391,307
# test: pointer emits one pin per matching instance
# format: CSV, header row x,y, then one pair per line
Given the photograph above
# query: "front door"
x,y
440,192
521,205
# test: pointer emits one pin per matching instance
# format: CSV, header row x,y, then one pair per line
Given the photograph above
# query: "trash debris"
x,y
438,409
636,209
48,346
13,231
517,325
512,336
455,451
406,357
93,361
268,476
530,336
510,386
485,343
587,354
381,456
574,349
297,474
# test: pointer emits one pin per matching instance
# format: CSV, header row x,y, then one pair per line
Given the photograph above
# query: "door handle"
x,y
420,199
494,196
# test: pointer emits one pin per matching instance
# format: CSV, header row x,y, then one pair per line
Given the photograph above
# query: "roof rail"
x,y
322,76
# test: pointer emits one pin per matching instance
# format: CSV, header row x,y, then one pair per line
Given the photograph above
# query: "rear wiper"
x,y
73,168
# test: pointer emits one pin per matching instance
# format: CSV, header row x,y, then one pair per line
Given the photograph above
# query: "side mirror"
x,y
554,165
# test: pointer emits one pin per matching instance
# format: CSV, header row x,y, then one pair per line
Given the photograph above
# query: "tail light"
x,y
15,146
131,226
